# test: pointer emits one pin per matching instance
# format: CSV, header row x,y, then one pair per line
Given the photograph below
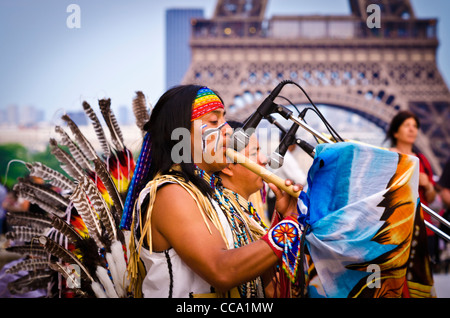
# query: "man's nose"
x,y
262,159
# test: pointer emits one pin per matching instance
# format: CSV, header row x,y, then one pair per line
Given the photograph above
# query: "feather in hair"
x,y
87,213
68,163
58,251
98,129
111,122
101,208
140,111
55,178
83,143
74,150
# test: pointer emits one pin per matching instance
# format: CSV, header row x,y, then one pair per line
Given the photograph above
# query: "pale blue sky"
x,y
120,47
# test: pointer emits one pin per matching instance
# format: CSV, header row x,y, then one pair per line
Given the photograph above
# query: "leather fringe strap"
x,y
136,270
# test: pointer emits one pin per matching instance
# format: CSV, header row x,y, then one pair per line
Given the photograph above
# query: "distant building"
x,y
12,114
21,115
178,52
30,115
124,115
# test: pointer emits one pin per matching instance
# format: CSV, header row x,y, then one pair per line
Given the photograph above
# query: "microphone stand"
x,y
310,130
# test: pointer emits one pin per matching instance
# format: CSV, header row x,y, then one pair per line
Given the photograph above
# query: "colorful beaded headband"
x,y
205,102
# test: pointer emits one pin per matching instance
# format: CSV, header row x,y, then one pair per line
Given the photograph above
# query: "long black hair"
x,y
396,122
173,110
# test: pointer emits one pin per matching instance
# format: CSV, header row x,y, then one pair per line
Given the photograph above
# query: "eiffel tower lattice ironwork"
x,y
339,60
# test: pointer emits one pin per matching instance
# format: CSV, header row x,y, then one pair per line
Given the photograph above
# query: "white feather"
x,y
98,290
119,258
118,284
102,275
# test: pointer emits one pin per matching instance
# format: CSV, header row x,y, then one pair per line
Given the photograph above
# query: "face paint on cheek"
x,y
216,132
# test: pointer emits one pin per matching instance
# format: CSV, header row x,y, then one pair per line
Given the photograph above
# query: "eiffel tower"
x,y
339,60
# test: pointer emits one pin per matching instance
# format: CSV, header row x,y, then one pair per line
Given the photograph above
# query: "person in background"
x,y
240,186
243,184
402,133
443,186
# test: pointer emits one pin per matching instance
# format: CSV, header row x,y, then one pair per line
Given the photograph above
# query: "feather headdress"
x,y
81,213
140,111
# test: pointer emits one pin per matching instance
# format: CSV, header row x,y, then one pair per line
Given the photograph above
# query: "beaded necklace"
x,y
239,228
248,207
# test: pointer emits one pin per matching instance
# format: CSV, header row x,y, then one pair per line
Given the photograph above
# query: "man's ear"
x,y
228,170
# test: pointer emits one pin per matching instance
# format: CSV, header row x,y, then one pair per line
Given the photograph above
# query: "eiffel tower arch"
x,y
339,60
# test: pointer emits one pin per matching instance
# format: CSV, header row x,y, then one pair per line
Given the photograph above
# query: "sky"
x,y
120,47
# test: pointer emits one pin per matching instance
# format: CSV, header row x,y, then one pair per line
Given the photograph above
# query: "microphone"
x,y
309,149
277,158
241,136
306,147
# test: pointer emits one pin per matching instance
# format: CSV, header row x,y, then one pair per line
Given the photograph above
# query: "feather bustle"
x,y
30,219
111,122
32,281
101,208
104,279
83,143
98,290
68,164
105,177
74,150
98,129
31,264
23,233
66,229
33,250
46,194
31,196
88,215
54,177
140,110
57,250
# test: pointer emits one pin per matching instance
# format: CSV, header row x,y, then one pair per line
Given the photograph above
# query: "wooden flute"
x,y
267,176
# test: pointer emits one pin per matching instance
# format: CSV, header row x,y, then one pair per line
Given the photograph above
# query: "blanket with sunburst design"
x,y
367,236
